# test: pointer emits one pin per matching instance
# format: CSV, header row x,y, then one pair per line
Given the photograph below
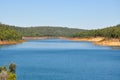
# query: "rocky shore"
x,y
108,42
97,40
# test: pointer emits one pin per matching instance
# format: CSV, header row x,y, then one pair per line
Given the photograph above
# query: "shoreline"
x,y
11,42
98,41
109,42
34,38
95,40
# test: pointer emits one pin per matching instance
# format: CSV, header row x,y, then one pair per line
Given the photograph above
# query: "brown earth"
x,y
96,40
11,42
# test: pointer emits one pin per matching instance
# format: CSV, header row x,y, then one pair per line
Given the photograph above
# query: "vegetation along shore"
x,y
8,73
109,36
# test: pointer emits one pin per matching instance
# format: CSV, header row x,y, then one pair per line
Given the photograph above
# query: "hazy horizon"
x,y
81,14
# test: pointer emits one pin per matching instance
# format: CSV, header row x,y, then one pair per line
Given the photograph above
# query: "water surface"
x,y
56,59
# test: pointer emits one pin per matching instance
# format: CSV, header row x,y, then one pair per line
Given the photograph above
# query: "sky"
x,y
83,14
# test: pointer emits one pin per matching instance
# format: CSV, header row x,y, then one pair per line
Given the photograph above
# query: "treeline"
x,y
8,33
47,31
110,32
40,31
14,33
8,73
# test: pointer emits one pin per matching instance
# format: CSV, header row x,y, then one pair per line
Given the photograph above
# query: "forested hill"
x,y
109,32
8,33
45,31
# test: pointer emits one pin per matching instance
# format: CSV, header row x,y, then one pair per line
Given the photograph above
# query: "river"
x,y
57,59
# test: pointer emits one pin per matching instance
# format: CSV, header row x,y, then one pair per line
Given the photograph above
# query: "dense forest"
x,y
8,32
40,31
48,31
109,32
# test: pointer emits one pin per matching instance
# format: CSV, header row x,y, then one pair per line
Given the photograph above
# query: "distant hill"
x,y
50,31
109,32
8,33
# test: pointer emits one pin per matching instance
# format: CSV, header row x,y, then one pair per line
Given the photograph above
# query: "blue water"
x,y
56,59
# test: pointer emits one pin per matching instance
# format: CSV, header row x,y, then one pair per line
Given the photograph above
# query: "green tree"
x,y
11,76
12,67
